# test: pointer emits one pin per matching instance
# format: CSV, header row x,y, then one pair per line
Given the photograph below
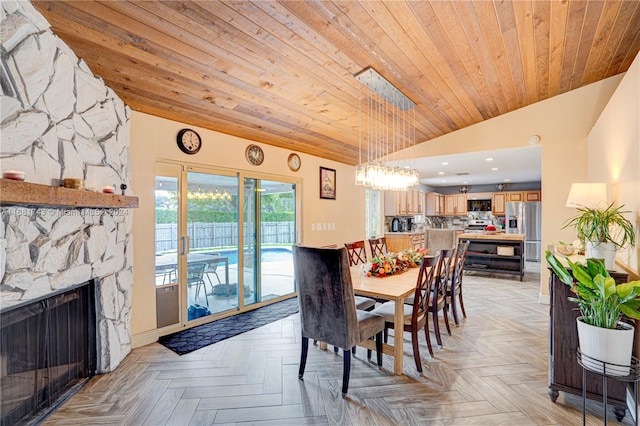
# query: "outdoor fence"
x,y
207,235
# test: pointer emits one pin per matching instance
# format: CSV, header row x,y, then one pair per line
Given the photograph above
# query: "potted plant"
x,y
601,333
602,232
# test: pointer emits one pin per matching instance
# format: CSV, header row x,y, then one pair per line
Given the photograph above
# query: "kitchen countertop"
x,y
404,233
498,236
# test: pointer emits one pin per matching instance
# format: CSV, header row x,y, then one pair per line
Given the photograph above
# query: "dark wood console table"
x,y
565,374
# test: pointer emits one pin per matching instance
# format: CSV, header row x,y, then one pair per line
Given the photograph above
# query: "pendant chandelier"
x,y
387,125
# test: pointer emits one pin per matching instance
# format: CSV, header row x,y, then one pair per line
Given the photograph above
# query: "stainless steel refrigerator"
x,y
525,218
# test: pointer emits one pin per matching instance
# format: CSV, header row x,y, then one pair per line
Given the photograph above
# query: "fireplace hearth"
x,y
47,350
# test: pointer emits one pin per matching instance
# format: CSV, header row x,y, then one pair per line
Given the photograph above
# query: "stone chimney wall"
x,y
60,121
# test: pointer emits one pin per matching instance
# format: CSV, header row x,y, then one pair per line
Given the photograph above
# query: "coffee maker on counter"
x,y
401,224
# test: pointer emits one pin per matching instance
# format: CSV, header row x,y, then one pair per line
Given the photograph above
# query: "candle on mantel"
x,y
108,189
13,175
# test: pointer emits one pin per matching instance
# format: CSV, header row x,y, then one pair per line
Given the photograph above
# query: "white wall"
x,y
154,138
614,152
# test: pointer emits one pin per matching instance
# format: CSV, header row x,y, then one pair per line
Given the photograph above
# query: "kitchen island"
x,y
495,253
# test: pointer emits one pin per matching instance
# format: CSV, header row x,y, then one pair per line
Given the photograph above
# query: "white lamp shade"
x,y
587,195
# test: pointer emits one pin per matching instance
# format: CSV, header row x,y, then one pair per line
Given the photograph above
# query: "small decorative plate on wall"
x,y
254,154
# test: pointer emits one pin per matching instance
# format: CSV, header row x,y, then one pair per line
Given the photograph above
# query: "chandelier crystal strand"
x,y
387,131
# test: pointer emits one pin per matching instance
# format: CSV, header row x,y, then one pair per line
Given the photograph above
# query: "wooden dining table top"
x,y
390,287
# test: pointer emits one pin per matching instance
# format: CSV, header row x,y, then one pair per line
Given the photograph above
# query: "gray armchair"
x,y
327,305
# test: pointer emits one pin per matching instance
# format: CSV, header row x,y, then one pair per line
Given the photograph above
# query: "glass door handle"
x,y
185,245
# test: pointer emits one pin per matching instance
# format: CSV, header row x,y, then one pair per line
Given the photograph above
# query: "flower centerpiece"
x,y
383,265
415,256
394,263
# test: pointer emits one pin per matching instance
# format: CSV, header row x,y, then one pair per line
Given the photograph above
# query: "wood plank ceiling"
x,y
282,72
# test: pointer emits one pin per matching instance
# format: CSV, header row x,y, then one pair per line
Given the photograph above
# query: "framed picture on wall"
x,y
327,183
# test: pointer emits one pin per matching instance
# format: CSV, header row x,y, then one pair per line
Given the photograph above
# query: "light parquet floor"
x,y
491,371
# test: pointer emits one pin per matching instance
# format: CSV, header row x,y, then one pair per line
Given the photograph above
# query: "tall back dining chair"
x,y
439,300
416,315
356,253
378,246
454,284
327,308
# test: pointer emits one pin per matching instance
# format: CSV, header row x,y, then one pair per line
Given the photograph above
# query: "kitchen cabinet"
x,y
455,204
515,196
395,203
565,374
403,203
418,202
417,241
499,203
400,241
532,196
434,204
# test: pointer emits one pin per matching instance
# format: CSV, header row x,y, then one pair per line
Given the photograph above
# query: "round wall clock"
x,y
189,141
294,162
254,155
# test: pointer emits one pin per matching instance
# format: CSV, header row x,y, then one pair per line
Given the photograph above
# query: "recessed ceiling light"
x,y
507,180
440,173
444,180
494,168
488,159
444,163
465,182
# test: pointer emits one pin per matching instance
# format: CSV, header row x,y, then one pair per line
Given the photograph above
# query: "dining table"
x,y
396,287
168,261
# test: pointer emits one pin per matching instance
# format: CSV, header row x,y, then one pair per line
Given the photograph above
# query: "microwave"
x,y
479,205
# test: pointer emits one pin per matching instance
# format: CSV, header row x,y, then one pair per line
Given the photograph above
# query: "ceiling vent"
x,y
462,174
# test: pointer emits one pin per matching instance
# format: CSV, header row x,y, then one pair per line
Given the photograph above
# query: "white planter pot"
x,y
606,251
602,345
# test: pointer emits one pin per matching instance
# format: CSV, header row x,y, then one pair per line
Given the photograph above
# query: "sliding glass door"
x,y
200,270
269,223
212,241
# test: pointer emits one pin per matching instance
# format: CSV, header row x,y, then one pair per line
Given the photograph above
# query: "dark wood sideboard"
x,y
565,374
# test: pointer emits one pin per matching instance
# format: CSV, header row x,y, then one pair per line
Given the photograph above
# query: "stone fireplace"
x,y
60,121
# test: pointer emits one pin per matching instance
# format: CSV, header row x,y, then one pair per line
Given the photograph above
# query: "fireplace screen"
x,y
47,347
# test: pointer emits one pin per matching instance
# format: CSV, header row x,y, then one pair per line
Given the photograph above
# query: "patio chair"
x,y
195,278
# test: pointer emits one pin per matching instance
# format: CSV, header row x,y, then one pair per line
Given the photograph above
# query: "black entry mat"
x,y
189,340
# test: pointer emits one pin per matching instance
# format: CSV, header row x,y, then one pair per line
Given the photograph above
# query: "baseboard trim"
x,y
144,338
544,299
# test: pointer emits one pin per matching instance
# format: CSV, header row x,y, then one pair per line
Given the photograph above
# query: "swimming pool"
x,y
268,254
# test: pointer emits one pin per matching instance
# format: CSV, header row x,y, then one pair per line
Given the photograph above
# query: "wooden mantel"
x,y
16,193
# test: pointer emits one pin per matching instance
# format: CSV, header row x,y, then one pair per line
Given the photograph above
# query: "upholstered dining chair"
x,y
454,284
416,316
327,306
378,246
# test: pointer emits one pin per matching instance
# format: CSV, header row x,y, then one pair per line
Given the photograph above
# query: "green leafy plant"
x,y
601,301
604,226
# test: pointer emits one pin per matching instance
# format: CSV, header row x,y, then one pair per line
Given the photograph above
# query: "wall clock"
x,y
254,155
189,141
294,162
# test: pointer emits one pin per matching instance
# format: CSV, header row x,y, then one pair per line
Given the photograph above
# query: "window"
x,y
373,213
